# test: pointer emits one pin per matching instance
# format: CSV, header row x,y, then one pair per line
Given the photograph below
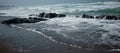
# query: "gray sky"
x,y
44,2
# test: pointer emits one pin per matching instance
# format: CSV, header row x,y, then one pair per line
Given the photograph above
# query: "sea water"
x,y
71,30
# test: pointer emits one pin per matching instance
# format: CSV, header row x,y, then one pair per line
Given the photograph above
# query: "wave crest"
x,y
69,9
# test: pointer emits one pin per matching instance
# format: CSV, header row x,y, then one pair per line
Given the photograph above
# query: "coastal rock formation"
x,y
87,16
37,18
22,20
108,17
43,16
50,15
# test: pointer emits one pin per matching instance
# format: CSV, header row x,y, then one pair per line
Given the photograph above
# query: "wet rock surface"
x,y
107,17
43,16
22,20
51,15
37,18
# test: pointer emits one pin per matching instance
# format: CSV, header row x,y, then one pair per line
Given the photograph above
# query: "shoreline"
x,y
25,41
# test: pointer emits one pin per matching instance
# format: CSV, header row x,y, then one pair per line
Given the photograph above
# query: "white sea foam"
x,y
50,38
60,8
79,29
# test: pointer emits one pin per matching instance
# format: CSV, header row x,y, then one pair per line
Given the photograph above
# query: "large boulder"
x,y
50,15
22,20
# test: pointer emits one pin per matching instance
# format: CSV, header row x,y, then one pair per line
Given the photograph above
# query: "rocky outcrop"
x,y
87,16
43,16
50,15
34,19
22,20
108,17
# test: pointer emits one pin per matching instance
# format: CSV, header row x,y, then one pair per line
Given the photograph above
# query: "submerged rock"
x,y
50,15
22,20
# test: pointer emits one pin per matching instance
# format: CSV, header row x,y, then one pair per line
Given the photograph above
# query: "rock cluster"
x,y
22,20
40,17
50,15
43,16
108,17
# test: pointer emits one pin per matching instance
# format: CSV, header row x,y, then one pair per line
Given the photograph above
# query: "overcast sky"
x,y
44,2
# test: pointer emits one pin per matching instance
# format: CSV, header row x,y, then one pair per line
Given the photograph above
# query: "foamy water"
x,y
78,31
70,9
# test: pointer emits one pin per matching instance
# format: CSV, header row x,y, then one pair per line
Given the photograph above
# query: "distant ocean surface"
x,y
69,9
74,31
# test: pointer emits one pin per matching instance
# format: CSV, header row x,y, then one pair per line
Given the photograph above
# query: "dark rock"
x,y
61,15
87,16
41,14
100,17
22,20
112,17
42,17
108,17
50,15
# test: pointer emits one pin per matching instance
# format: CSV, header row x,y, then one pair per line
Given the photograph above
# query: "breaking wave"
x,y
109,11
80,32
69,9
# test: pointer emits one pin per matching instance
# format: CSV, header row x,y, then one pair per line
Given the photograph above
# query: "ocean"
x,y
71,30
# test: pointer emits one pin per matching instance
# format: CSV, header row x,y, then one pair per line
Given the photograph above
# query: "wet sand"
x,y
24,41
4,46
